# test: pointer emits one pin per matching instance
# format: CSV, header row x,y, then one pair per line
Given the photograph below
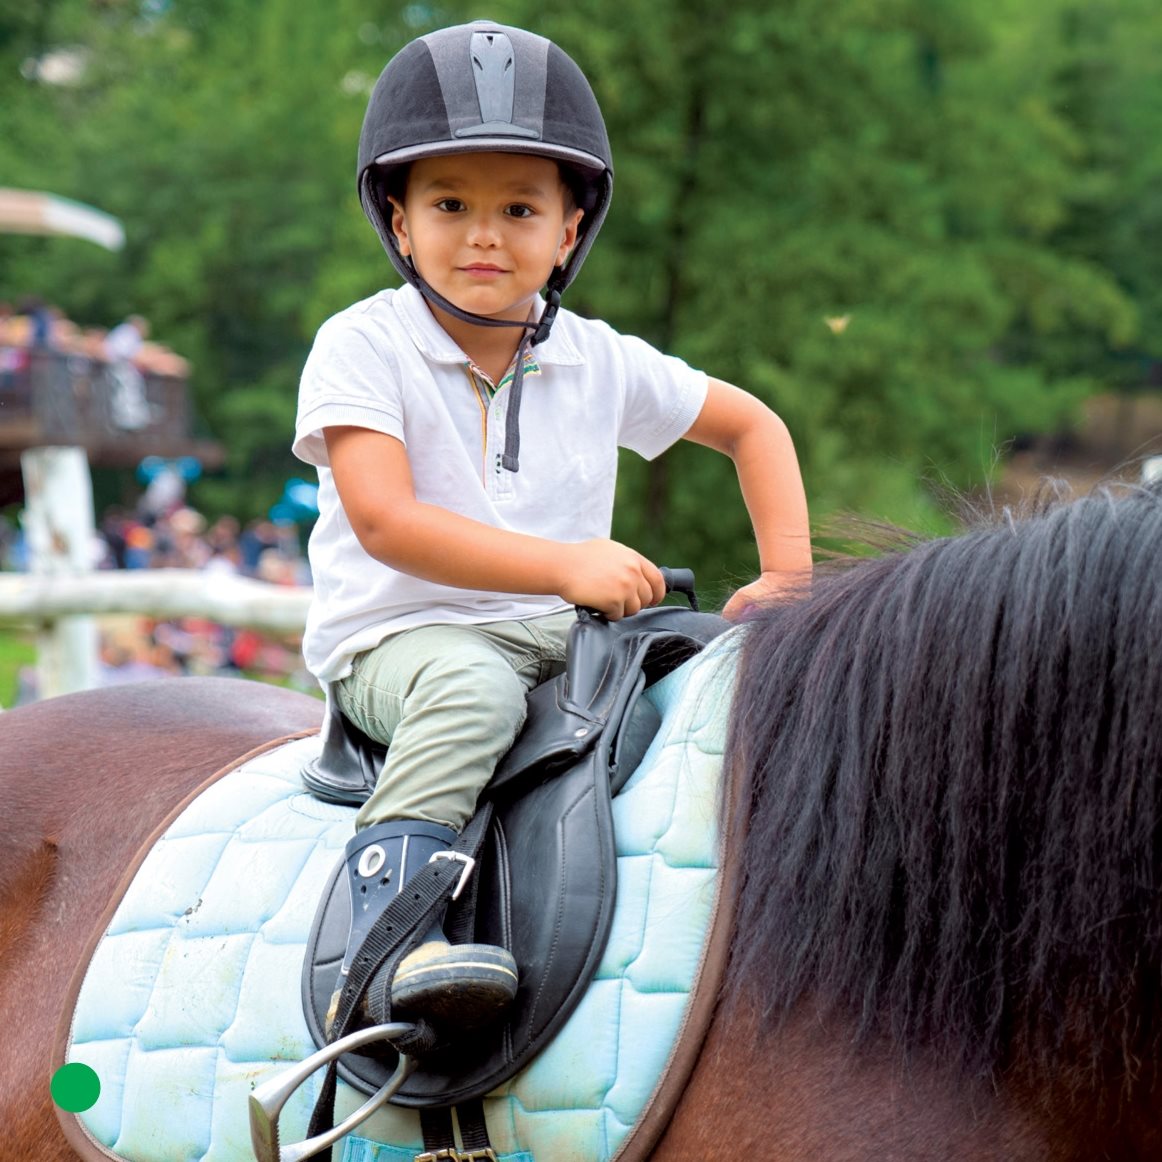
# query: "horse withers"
x,y
944,825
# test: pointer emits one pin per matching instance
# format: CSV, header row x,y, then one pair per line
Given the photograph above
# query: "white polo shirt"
x,y
385,363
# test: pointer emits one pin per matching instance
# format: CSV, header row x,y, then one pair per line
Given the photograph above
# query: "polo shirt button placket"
x,y
501,482
500,487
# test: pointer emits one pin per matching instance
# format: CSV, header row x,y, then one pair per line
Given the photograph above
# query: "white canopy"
x,y
29,212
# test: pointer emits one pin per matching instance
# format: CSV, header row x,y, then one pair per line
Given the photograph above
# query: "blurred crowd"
x,y
177,536
33,325
159,531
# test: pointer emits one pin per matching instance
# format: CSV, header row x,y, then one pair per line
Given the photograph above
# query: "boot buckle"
x,y
468,862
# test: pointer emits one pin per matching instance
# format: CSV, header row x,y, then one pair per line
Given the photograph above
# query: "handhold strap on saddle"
x,y
391,937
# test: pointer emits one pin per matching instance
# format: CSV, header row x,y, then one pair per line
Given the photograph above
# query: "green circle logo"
x,y
75,1087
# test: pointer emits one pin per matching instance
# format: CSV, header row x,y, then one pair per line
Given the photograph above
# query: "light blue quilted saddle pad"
x,y
192,997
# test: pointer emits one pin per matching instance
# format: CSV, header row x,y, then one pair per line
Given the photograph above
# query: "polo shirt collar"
x,y
436,344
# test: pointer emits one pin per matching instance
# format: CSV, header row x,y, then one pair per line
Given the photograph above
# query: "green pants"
x,y
448,700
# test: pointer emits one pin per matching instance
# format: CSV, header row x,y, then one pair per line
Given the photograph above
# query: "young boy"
x,y
466,436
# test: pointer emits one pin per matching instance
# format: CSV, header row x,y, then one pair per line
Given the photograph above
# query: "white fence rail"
x,y
60,595
35,599
57,606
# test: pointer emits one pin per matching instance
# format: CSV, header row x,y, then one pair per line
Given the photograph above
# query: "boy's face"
x,y
486,229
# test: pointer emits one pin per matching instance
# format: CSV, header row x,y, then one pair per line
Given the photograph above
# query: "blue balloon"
x,y
187,467
283,514
150,467
303,494
301,497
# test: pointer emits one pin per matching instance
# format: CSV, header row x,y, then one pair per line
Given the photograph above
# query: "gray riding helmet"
x,y
485,86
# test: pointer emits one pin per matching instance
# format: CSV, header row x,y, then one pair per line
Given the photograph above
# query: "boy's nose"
x,y
483,231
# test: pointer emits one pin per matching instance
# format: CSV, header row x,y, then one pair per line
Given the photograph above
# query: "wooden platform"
x,y
70,401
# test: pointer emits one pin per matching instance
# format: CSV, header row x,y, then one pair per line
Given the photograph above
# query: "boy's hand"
x,y
609,577
769,588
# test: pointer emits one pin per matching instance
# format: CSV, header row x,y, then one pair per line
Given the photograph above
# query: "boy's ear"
x,y
399,226
569,237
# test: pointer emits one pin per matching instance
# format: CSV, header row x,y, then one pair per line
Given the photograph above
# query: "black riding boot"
x,y
463,985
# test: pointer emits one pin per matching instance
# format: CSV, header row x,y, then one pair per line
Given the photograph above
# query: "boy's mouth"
x,y
483,269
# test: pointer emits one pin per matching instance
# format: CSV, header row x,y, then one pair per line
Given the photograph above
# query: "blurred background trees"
x,y
920,229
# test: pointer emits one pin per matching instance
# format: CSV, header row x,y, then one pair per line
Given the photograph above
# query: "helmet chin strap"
x,y
539,328
536,331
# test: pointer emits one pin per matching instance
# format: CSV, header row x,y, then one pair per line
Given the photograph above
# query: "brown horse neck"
x,y
805,1095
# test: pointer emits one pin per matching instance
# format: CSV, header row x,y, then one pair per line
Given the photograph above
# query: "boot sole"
x,y
465,984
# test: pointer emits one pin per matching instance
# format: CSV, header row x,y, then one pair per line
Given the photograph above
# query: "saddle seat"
x,y
545,884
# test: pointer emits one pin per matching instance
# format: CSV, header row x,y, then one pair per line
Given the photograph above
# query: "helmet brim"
x,y
592,167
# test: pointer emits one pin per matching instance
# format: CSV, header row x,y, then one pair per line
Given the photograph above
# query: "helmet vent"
x,y
493,72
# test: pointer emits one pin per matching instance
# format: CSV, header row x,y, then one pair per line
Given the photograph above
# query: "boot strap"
x,y
392,936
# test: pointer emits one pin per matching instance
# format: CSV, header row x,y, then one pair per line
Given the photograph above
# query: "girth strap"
x,y
473,1130
436,1127
440,1136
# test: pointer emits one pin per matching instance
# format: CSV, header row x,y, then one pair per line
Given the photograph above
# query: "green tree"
x,y
847,207
1103,83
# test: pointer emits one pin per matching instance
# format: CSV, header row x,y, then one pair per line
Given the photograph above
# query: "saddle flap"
x,y
549,869
638,726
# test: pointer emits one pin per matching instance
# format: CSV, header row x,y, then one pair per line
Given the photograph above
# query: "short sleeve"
x,y
663,397
349,379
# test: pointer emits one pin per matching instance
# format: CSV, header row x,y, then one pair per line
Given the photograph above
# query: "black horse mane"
x,y
951,794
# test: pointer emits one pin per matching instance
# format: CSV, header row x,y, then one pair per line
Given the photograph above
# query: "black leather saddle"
x,y
546,880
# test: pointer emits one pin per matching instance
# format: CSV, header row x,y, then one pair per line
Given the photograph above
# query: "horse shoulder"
x,y
805,1094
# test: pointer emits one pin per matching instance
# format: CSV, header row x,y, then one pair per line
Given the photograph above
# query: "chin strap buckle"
x,y
552,305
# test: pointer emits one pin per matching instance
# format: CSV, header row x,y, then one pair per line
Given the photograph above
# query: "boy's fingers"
x,y
648,594
655,584
737,607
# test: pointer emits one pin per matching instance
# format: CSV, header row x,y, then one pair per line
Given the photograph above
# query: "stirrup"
x,y
268,1099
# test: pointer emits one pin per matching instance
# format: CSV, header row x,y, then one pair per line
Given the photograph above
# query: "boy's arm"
x,y
374,480
742,427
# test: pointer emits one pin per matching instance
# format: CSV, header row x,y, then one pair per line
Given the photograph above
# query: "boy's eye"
x,y
520,211
450,205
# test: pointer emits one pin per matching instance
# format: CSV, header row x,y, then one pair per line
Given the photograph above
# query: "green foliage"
x,y
17,652
833,205
914,227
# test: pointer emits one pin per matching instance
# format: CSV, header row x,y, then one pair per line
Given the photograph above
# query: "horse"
x,y
942,822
